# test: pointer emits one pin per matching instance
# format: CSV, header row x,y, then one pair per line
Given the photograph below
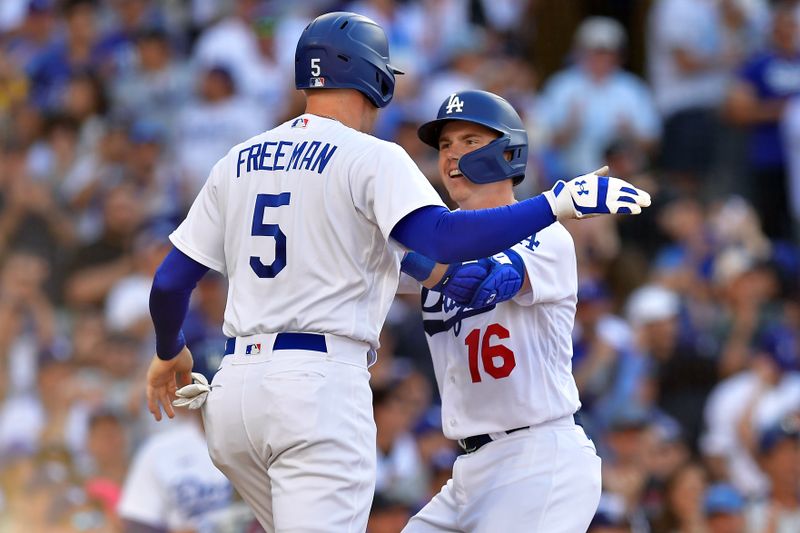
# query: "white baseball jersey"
x,y
509,365
299,219
172,482
506,367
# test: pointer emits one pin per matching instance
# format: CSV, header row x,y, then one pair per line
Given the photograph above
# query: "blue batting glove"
x,y
465,280
487,281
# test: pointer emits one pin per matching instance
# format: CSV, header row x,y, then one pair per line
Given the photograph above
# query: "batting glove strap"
x,y
194,395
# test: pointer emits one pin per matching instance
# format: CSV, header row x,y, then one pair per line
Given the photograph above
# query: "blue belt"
x,y
475,442
314,342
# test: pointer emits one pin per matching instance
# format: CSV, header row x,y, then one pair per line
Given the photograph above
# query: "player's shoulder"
x,y
557,233
369,144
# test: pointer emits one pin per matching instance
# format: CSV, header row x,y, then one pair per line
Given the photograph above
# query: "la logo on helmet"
x,y
454,103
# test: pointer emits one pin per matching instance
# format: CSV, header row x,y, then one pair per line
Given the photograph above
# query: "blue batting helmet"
x,y
488,163
344,50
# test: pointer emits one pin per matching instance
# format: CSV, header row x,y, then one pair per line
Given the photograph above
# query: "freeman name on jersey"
x,y
285,155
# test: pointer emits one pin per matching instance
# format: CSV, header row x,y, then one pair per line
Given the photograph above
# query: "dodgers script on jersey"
x,y
285,215
499,368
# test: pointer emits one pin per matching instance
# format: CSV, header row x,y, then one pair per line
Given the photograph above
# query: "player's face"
x,y
457,138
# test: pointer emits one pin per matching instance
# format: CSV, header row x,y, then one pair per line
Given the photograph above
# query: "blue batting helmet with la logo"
x,y
488,163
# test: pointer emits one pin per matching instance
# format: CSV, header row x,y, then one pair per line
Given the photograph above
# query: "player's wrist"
x,y
417,266
560,201
167,349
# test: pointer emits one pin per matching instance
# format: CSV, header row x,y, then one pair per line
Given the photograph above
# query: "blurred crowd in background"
x,y
686,337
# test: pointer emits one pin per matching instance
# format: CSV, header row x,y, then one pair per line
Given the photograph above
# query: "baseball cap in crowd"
x,y
651,303
781,344
592,291
630,416
722,498
788,429
40,6
431,420
146,132
600,33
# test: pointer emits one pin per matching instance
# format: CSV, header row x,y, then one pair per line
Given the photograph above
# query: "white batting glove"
x,y
595,194
193,396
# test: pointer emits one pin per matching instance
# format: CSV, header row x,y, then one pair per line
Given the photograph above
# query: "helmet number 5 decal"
x,y
315,70
454,103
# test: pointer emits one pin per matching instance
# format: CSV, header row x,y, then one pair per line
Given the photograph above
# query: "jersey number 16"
x,y
498,360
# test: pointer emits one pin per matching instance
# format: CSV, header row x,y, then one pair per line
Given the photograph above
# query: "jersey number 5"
x,y
269,230
498,360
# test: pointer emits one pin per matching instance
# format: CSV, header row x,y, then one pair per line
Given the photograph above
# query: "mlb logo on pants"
x,y
253,349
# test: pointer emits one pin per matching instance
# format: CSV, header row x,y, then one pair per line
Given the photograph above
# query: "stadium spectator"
x,y
743,405
206,128
756,100
52,69
779,456
156,84
595,102
683,510
724,507
98,266
688,70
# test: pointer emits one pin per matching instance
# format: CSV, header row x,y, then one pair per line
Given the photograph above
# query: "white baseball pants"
x,y
545,479
293,431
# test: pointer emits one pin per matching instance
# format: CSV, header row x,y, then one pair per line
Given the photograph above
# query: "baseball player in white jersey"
x,y
500,334
172,486
309,221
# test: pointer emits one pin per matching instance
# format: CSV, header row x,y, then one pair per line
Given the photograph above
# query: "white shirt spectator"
x,y
693,26
723,412
758,519
206,131
128,302
232,43
605,110
401,474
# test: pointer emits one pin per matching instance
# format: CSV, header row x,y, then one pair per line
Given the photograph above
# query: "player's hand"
x,y
483,283
164,378
595,194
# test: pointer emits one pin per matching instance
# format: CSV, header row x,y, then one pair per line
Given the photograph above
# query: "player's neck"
x,y
346,106
488,200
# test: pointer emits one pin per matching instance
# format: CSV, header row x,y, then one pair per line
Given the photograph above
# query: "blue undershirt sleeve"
x,y
169,300
455,236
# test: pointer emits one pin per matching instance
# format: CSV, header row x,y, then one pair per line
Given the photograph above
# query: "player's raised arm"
x,y
454,236
449,237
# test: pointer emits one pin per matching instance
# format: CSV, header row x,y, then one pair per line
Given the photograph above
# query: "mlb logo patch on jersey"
x,y
253,349
300,123
317,82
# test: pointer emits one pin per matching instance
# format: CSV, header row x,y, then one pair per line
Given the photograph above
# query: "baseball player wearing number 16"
x,y
309,221
499,331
